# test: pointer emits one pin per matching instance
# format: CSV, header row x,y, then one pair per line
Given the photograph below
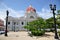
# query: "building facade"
x,y
16,24
1,25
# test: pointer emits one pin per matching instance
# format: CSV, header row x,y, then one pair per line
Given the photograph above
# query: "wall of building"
x,y
1,24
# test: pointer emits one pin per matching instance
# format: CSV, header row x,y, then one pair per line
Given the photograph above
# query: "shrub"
x,y
35,27
37,32
59,33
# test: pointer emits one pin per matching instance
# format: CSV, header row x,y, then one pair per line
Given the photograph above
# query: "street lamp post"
x,y
6,23
53,8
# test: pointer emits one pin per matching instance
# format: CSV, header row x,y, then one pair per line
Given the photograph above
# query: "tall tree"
x,y
49,22
36,26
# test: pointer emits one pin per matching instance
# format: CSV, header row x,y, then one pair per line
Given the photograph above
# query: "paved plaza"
x,y
25,36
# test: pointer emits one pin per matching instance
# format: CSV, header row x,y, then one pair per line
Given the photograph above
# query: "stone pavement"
x,y
25,36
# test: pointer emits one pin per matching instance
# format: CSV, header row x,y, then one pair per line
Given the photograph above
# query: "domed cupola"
x,y
30,9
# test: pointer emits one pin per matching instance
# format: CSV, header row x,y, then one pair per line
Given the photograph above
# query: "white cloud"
x,y
15,13
12,12
45,13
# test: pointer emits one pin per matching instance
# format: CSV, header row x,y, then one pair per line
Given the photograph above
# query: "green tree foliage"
x,y
58,11
36,26
58,18
50,22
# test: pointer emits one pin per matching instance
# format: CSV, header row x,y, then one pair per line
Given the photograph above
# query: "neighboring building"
x,y
1,25
16,24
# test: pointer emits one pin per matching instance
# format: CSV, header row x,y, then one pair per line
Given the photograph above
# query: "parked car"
x,y
2,32
49,30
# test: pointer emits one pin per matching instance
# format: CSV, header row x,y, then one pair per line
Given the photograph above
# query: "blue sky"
x,y
17,8
38,4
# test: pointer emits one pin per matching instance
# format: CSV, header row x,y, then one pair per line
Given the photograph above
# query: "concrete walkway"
x,y
25,36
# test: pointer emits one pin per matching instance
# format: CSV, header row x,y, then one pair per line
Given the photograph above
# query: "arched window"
x,y
8,23
22,23
31,17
